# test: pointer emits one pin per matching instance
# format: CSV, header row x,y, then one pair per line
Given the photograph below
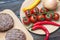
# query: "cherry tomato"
x,y
27,13
56,16
48,17
36,10
46,10
26,20
40,17
41,10
32,11
33,18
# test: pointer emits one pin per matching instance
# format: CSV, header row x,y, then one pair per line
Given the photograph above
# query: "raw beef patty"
x,y
15,34
6,22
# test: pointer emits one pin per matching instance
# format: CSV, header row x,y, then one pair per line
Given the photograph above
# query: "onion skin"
x,y
50,4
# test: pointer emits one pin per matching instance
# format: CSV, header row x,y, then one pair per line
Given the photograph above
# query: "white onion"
x,y
50,4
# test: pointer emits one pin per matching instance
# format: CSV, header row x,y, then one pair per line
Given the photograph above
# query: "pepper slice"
x,y
33,5
43,28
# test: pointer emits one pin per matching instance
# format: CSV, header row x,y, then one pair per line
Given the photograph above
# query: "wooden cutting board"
x,y
17,25
51,28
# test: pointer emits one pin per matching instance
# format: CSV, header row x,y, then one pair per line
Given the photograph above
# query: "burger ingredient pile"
x,y
42,16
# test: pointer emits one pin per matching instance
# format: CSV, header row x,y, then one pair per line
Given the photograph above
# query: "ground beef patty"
x,y
15,34
6,22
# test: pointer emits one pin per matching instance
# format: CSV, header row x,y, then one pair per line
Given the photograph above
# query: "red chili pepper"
x,y
43,28
46,22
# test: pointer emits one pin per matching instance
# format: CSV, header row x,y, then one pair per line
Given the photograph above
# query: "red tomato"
x,y
48,17
41,10
36,10
32,11
40,17
26,20
27,13
33,18
46,9
56,16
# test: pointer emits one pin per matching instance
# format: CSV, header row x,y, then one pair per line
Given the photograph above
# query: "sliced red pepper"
x,y
43,28
46,22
